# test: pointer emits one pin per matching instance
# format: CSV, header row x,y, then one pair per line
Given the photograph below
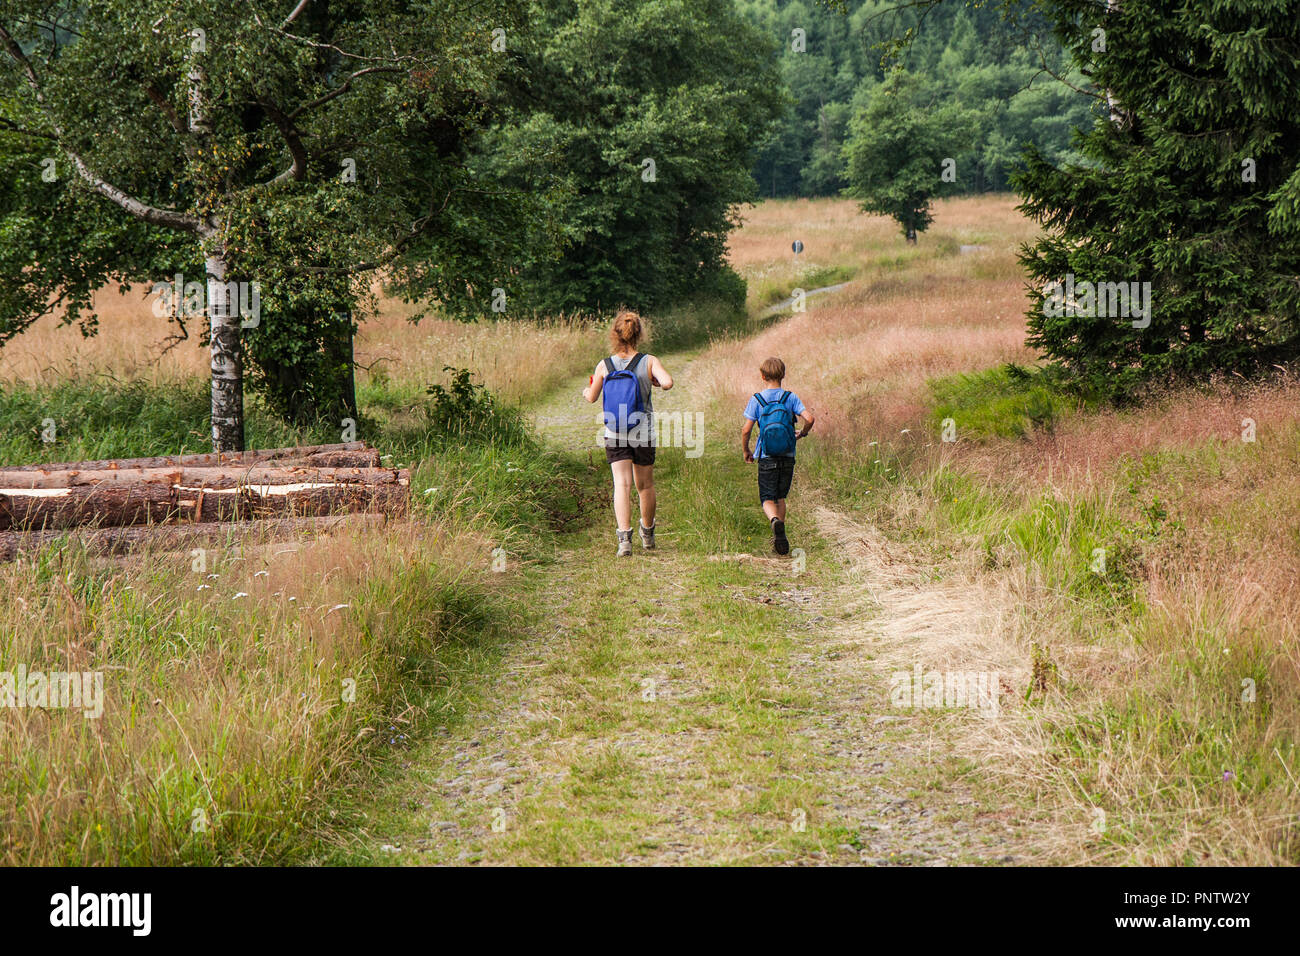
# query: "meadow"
x,y
262,695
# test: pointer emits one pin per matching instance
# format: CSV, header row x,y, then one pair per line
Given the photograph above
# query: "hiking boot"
x,y
625,543
648,537
780,543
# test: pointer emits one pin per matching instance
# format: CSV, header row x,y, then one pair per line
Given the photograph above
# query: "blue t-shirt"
x,y
771,395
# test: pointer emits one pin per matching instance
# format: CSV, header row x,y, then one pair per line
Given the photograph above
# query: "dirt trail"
x,y
566,761
779,307
898,616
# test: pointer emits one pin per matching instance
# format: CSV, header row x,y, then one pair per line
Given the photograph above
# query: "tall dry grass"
x,y
236,695
517,360
862,357
131,345
839,241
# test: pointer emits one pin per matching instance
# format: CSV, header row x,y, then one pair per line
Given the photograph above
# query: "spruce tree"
x,y
1190,183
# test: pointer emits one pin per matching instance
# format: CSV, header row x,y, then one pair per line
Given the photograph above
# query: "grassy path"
x,y
703,703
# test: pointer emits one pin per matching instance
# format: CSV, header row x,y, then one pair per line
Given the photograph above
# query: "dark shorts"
x,y
774,477
637,454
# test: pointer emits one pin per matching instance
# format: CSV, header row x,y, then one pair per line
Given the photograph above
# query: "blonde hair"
x,y
772,370
626,331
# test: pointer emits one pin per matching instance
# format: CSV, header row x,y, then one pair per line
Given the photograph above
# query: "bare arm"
x,y
659,375
595,384
744,439
808,420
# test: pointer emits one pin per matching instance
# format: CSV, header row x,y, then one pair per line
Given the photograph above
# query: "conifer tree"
x,y
1191,183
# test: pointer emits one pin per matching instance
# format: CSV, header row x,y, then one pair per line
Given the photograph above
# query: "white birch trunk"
x,y
227,360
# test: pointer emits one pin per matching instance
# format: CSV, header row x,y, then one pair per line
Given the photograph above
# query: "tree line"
x,y
998,80
480,157
503,159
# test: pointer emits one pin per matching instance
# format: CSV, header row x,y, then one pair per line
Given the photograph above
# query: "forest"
x,y
1008,80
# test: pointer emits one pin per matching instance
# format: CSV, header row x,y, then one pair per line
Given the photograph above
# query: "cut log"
x,y
117,541
228,476
367,457
69,507
289,501
110,504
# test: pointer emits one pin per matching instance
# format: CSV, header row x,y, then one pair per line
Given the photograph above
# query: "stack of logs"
x,y
173,502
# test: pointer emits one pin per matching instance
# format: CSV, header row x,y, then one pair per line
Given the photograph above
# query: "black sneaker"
x,y
780,543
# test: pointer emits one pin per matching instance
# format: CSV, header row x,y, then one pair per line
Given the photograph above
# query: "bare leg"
x,y
622,471
644,477
775,511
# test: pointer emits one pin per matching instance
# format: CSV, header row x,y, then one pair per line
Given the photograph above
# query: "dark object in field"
x,y
181,537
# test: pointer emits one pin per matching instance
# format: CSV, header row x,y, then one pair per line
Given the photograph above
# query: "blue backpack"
x,y
775,426
622,397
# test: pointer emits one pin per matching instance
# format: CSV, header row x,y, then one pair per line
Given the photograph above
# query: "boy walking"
x,y
774,410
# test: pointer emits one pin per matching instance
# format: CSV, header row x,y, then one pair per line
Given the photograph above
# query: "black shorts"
x,y
774,477
621,451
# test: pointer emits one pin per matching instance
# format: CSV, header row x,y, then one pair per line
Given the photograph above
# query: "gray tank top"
x,y
645,434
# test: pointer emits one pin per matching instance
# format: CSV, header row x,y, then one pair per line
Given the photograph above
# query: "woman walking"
x,y
625,381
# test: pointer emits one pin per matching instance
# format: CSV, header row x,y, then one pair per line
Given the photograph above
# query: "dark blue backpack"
x,y
775,426
622,397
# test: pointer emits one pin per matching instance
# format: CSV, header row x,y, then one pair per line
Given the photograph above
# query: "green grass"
x,y
94,418
674,625
649,705
769,291
1006,402
695,323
